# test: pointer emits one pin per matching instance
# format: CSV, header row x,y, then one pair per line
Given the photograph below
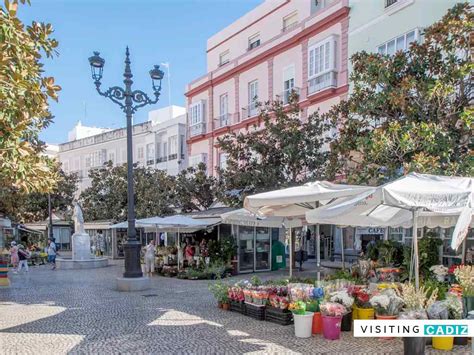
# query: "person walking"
x,y
52,251
23,256
150,258
14,260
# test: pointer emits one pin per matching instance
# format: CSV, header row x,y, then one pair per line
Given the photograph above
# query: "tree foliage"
x,y
106,198
285,151
195,190
33,206
24,109
410,111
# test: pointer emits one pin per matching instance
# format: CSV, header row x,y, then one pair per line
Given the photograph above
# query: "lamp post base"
x,y
132,259
127,284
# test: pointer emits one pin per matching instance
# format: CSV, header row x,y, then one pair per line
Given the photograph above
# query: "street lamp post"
x,y
129,101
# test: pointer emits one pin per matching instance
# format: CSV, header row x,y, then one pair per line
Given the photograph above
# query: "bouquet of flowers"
x,y
440,271
332,309
387,303
417,300
300,292
362,298
465,277
298,307
342,297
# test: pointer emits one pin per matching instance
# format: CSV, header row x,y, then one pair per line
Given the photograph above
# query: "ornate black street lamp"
x,y
129,101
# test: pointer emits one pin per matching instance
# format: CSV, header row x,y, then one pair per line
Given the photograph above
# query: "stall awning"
x,y
244,217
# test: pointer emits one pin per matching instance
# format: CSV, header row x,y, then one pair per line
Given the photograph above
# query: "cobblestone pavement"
x,y
79,312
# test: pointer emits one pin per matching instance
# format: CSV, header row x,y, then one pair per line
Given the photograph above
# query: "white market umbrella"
x,y
415,200
296,201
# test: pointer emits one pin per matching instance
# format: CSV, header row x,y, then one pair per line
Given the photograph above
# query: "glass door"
x,y
263,255
246,249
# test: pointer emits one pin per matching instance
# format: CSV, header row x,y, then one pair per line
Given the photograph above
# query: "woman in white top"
x,y
150,258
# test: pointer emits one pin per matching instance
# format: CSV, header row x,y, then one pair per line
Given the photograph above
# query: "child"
x,y
14,256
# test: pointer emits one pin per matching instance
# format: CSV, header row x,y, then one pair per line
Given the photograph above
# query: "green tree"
x,y
24,109
287,151
106,198
410,111
195,190
33,206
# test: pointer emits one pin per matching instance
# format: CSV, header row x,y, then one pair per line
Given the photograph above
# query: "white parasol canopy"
x,y
296,201
413,200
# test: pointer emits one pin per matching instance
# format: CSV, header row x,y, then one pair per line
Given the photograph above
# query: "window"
x,y
140,153
288,83
254,41
66,166
253,97
196,111
318,5
181,146
390,2
223,161
150,153
195,160
224,58
77,164
322,65
173,147
401,43
223,110
111,157
290,21
124,155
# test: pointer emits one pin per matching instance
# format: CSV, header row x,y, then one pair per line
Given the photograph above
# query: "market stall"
x,y
296,201
415,200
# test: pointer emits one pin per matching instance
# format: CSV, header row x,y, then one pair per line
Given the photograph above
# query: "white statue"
x,y
78,218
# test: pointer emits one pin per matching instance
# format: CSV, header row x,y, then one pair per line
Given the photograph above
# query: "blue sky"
x,y
156,31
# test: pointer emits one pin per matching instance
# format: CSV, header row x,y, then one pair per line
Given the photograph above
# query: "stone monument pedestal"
x,y
81,255
130,284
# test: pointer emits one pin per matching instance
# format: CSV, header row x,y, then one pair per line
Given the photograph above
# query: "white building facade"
x,y
158,143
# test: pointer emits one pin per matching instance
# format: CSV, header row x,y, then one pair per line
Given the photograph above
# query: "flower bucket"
x,y
346,323
414,346
378,316
303,324
365,313
317,323
355,313
443,343
332,327
468,304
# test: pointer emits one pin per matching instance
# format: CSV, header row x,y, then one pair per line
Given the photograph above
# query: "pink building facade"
x,y
280,46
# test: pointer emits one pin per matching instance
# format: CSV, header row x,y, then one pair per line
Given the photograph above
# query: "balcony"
x,y
289,27
390,2
172,157
226,120
150,162
285,95
250,111
161,159
323,81
197,129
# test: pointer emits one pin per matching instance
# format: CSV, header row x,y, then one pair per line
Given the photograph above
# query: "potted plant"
x,y
318,294
363,307
303,319
416,303
343,298
440,272
465,277
387,305
220,291
332,313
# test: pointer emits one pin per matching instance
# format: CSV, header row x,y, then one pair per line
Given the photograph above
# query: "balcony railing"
x,y
149,162
250,111
321,82
172,156
161,159
285,95
390,2
222,121
197,129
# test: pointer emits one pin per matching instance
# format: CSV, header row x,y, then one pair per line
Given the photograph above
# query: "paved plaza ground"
x,y
79,312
